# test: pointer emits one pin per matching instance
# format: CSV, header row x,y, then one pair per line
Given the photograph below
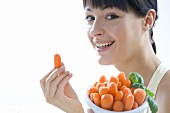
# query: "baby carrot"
x,y
118,106
135,105
125,97
129,102
126,90
107,101
103,90
97,99
92,89
127,82
122,87
95,83
113,79
99,84
112,88
103,79
118,96
91,97
119,85
139,95
121,76
57,61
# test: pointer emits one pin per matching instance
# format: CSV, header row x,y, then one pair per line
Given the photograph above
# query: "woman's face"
x,y
115,35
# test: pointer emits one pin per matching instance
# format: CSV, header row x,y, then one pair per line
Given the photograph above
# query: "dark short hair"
x,y
139,7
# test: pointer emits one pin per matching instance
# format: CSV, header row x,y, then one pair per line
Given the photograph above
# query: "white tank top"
x,y
155,80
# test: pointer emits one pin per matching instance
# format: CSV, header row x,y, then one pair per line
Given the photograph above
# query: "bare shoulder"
x,y
165,83
163,93
165,80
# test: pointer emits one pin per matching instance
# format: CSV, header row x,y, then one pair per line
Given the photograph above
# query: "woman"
x,y
121,33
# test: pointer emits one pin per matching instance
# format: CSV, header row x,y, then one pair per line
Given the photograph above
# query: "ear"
x,y
149,19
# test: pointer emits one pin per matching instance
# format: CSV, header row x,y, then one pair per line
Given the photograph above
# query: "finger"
x,y
55,82
62,84
42,81
51,78
56,73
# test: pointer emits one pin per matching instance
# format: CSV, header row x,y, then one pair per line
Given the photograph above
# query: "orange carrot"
x,y
95,83
99,84
91,97
122,87
127,82
103,79
92,89
112,88
121,76
118,96
135,105
118,106
119,85
103,90
113,79
139,95
97,99
57,61
124,98
107,101
126,90
129,102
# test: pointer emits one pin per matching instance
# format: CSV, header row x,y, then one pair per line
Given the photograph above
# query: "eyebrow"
x,y
88,9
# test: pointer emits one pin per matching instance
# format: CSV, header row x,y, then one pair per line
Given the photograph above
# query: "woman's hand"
x,y
58,91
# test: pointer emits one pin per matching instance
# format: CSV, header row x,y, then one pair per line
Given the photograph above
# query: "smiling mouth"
x,y
104,45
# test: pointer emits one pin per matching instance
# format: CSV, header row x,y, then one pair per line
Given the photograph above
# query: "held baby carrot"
x,y
57,61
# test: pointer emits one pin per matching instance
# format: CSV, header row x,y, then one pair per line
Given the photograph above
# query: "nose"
x,y
96,29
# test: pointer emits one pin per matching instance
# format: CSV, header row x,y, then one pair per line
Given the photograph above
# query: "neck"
x,y
145,66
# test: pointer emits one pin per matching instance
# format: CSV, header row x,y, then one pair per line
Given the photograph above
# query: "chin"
x,y
103,62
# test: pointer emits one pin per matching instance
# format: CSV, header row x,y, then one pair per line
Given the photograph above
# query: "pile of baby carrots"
x,y
116,94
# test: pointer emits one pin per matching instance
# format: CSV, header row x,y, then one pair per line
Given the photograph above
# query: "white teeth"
x,y
103,44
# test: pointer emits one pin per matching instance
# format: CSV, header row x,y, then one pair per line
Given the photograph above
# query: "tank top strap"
x,y
155,80
157,76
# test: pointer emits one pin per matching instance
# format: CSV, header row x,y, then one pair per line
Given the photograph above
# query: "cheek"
x,y
90,38
118,32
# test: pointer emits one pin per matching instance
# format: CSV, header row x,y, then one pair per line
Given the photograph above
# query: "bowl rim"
x,y
91,104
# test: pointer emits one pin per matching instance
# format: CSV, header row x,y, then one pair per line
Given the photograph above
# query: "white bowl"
x,y
97,109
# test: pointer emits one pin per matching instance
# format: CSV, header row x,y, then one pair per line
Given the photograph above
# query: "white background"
x,y
32,31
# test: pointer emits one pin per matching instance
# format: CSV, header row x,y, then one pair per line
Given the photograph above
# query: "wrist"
x,y
78,109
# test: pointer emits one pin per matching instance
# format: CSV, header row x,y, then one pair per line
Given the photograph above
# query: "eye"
x,y
89,18
111,16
